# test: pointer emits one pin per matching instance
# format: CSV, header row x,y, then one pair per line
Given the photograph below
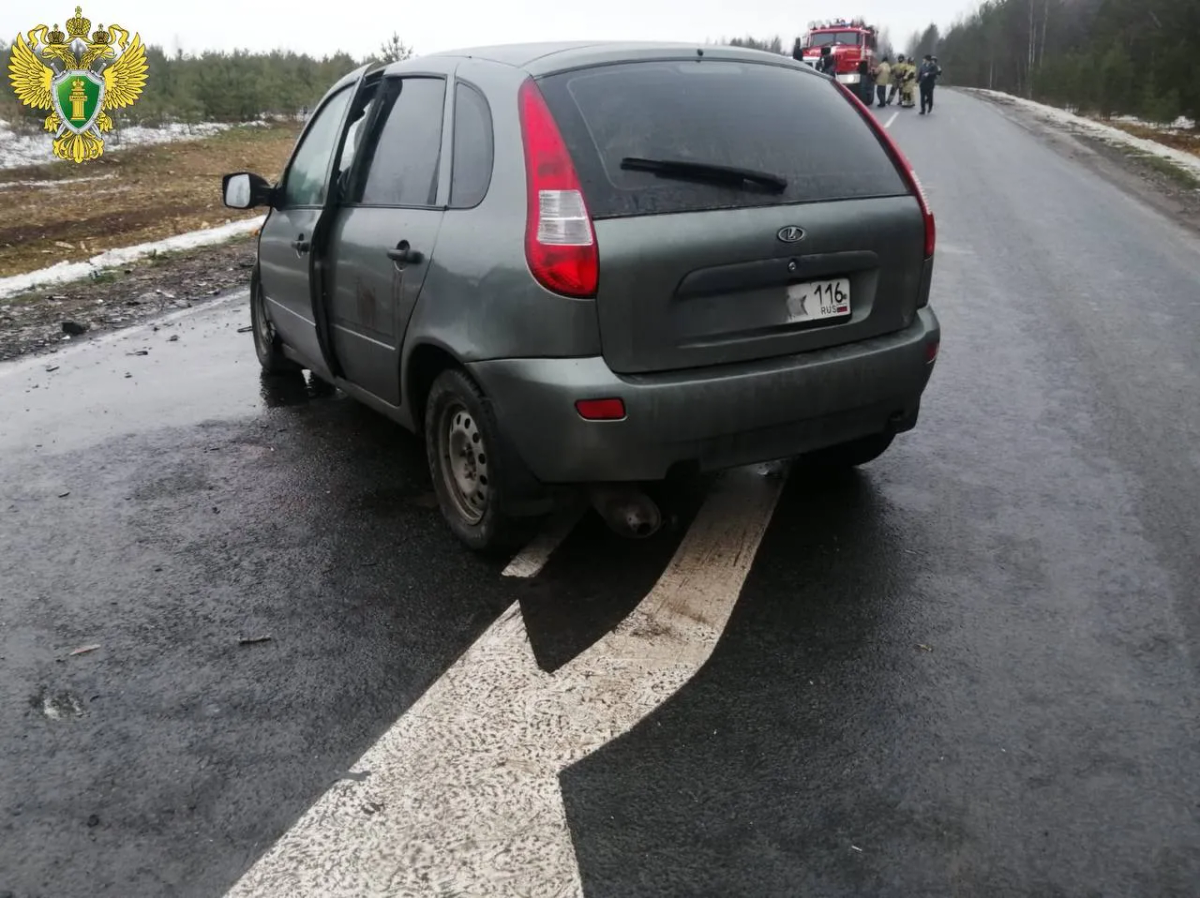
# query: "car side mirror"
x,y
246,190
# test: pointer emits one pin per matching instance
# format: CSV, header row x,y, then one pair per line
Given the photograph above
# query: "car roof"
x,y
547,56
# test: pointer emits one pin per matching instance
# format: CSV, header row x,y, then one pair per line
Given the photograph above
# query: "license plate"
x,y
817,300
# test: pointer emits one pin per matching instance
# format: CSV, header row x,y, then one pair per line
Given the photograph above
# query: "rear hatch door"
x,y
742,210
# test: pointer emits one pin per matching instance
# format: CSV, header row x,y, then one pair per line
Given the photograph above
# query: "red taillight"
x,y
601,409
931,351
560,244
902,164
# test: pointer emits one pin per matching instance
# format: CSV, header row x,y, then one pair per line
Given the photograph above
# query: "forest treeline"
x,y
243,86
224,87
1111,57
1105,56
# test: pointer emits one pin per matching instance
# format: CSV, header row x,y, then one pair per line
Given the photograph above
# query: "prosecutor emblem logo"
x,y
78,78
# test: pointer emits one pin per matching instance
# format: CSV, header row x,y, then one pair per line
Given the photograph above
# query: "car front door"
x,y
286,242
381,240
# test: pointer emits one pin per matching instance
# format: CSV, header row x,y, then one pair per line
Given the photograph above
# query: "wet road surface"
x,y
971,669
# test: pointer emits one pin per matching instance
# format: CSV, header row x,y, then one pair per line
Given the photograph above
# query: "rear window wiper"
x,y
704,171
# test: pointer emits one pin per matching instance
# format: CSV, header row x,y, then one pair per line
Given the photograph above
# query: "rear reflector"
x,y
601,409
902,164
560,243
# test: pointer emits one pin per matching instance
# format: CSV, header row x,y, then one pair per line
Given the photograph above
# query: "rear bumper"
x,y
709,418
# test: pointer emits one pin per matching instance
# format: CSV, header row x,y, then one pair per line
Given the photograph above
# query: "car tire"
x,y
852,454
462,441
267,345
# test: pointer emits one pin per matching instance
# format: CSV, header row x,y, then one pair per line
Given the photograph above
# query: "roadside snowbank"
x,y
65,272
1070,120
19,150
1180,124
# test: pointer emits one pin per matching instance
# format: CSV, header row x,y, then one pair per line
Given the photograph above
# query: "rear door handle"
x,y
300,245
403,254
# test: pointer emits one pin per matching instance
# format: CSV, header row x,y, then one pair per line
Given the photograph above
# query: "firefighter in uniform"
x,y
883,78
908,84
897,76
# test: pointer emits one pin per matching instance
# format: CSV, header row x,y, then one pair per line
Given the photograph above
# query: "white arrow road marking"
x,y
462,793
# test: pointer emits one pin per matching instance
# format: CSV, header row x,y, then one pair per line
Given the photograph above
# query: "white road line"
x,y
888,123
461,796
530,561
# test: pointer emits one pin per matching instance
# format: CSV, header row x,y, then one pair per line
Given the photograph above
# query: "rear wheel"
x,y
461,440
852,454
267,345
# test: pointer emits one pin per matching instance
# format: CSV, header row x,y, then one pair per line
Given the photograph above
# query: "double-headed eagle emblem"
x,y
78,89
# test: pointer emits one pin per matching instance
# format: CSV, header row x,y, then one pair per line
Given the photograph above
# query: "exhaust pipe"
x,y
628,511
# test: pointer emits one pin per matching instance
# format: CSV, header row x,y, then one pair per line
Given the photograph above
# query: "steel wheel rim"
x,y
264,331
463,460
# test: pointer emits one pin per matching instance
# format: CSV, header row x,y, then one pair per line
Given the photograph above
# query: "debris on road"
x,y
93,821
924,648
64,495
74,328
173,338
246,329
59,706
139,352
254,640
84,649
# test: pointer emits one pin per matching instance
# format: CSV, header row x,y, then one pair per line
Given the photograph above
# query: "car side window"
x,y
305,183
404,156
471,171
360,115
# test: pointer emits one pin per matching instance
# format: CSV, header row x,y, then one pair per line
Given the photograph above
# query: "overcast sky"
x,y
359,26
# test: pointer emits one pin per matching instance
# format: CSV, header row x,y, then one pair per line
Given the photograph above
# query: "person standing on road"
x,y
883,78
927,80
866,90
897,77
907,77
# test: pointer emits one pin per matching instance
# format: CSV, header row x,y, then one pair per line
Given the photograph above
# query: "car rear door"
x,y
697,268
382,239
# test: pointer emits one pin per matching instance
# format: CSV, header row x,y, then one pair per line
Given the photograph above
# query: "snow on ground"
x,y
21,149
1187,161
65,272
1180,124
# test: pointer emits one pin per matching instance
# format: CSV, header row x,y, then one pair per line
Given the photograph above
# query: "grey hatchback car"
x,y
570,265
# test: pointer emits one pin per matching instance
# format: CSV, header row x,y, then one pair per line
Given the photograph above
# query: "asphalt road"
x,y
972,669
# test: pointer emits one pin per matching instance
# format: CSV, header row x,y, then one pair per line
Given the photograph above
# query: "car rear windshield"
x,y
754,116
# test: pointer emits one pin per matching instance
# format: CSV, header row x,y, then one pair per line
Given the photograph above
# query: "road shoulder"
x,y
1155,181
43,321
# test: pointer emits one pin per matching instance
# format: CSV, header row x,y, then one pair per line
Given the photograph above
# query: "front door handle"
x,y
300,245
403,254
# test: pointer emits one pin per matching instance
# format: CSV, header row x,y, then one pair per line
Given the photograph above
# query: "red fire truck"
x,y
850,42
